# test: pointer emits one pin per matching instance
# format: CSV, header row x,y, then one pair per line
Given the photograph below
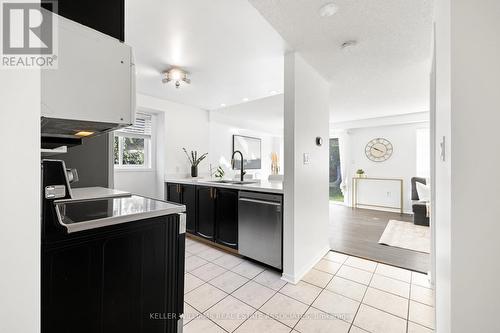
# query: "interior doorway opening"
x,y
336,194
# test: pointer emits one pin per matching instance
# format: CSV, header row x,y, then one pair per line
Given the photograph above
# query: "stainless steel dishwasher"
x,y
260,225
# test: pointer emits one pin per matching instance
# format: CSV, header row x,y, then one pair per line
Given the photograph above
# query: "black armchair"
x,y
419,207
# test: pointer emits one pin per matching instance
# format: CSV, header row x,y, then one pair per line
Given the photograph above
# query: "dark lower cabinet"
x,y
173,193
226,217
125,279
206,212
186,195
189,199
211,212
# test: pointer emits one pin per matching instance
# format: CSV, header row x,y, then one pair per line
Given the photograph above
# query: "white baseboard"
x,y
294,279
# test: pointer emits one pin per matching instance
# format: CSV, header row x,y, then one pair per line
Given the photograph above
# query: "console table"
x,y
356,204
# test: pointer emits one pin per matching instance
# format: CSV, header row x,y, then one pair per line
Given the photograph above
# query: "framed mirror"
x,y
251,150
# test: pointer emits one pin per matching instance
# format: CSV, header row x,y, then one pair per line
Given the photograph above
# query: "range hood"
x,y
92,90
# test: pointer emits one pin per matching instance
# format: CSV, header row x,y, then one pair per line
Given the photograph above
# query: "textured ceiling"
x,y
386,73
231,51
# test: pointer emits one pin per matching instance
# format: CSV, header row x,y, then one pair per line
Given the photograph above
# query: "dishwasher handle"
x,y
261,201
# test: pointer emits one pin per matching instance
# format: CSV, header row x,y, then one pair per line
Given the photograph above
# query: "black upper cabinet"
x,y
106,16
226,217
206,213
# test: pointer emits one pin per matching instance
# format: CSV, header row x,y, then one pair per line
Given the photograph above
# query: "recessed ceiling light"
x,y
273,92
348,44
245,99
328,10
223,105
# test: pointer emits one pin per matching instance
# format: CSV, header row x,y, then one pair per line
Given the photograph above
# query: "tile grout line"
x,y
361,302
231,294
275,292
309,306
227,294
409,304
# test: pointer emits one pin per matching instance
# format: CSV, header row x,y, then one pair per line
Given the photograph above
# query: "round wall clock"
x,y
379,150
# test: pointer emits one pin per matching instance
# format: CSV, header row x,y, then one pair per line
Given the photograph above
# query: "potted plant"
x,y
194,160
360,173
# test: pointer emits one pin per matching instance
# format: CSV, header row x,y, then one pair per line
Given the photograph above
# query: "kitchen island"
x,y
238,216
111,261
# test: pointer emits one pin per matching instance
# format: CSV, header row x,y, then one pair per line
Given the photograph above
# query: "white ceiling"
x,y
386,73
230,50
265,115
233,51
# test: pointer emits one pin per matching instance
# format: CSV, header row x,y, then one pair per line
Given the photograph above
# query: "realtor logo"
x,y
28,34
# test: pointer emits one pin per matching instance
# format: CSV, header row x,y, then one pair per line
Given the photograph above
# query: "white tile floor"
x,y
225,293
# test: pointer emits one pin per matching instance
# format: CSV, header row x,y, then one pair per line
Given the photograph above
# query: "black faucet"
x,y
242,173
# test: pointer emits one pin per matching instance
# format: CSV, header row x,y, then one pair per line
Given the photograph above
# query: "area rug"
x,y
406,235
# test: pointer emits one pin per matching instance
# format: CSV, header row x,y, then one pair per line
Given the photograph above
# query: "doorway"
x,y
336,194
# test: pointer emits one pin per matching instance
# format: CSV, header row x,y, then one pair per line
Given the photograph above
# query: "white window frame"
x,y
148,149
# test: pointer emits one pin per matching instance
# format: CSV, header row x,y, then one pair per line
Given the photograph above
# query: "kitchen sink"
x,y
239,182
222,181
236,182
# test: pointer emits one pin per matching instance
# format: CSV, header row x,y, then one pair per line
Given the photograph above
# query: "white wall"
x,y
306,215
178,126
468,182
442,169
145,181
402,164
221,148
20,201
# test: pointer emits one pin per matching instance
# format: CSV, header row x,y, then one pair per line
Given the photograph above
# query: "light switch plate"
x,y
307,160
442,145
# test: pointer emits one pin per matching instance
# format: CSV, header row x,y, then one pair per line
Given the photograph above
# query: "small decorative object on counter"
x,y
360,173
275,167
219,173
194,160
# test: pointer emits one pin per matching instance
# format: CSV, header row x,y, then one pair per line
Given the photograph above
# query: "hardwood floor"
x,y
357,231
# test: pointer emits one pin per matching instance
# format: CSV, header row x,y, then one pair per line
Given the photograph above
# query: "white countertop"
x,y
84,214
260,186
85,193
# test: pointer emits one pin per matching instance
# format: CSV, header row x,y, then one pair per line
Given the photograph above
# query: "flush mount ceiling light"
x,y
328,10
348,43
177,75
